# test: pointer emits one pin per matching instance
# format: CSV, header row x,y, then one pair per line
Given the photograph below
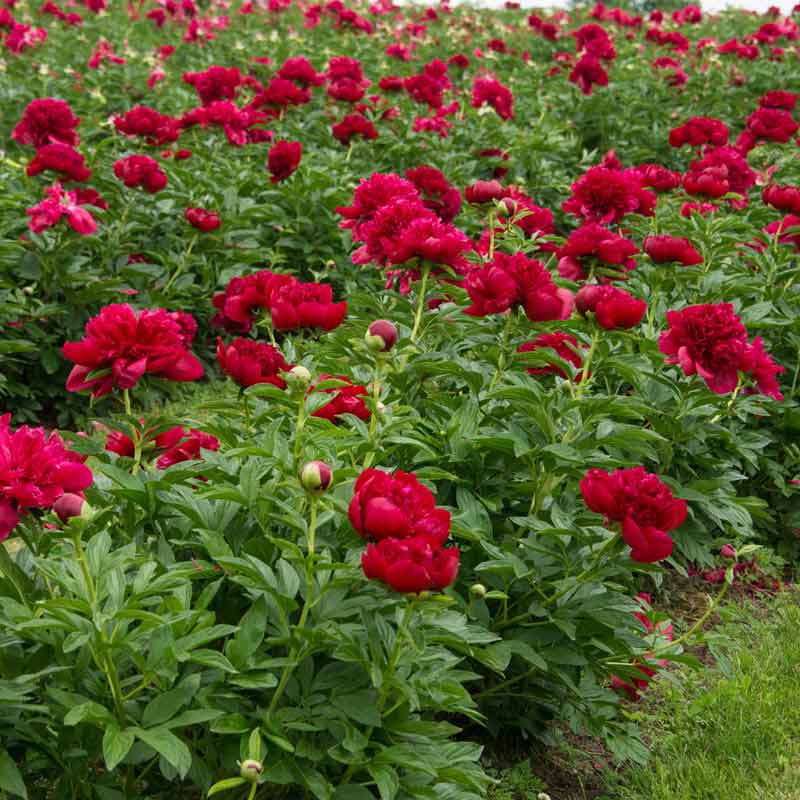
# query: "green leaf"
x,y
166,744
223,786
250,635
166,705
360,706
10,777
116,745
352,791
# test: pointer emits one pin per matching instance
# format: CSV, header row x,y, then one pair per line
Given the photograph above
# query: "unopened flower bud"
x,y
251,770
477,590
587,298
316,476
381,336
728,552
71,505
298,378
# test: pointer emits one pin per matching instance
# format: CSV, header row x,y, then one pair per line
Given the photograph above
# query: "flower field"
x,y
366,372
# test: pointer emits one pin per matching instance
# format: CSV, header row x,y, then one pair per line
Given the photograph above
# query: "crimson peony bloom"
x,y
396,506
664,248
778,98
606,195
594,39
370,196
436,192
202,219
57,204
155,128
592,243
346,400
531,219
698,131
516,280
171,444
121,346
141,171
354,125
612,308
305,305
248,362
658,178
720,171
46,121
588,72
188,449
786,230
709,340
35,470
283,159
783,198
767,124
489,91
243,295
215,83
429,239
299,70
645,507
61,158
411,565
482,192
565,346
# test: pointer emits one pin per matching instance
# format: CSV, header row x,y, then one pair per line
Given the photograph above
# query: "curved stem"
x,y
126,398
426,270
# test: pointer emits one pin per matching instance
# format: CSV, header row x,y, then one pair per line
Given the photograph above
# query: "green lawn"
x,y
728,732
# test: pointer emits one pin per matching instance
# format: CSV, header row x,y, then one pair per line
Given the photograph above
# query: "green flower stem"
x,y
377,379
294,651
718,416
182,266
252,793
391,666
298,430
587,364
501,360
423,285
126,398
491,221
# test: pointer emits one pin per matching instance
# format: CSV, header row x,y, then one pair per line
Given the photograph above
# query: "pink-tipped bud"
x,y
251,770
69,505
484,192
381,336
728,552
588,297
316,477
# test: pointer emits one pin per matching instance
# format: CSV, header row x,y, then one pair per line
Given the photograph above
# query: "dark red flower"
x,y
482,192
588,72
354,125
664,248
215,83
607,195
141,171
61,158
613,308
370,196
202,219
658,178
243,295
783,198
348,399
759,365
698,131
249,362
778,98
299,70
489,91
436,192
708,340
46,121
645,507
155,128
411,565
121,346
396,506
296,305
36,469
565,346
57,204
283,159
720,171
594,245
188,449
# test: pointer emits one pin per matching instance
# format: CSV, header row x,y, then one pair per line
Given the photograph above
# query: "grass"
x,y
726,732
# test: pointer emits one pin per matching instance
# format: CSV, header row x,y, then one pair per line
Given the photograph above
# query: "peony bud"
x,y
728,552
70,505
251,770
316,477
484,192
477,590
381,336
587,297
298,378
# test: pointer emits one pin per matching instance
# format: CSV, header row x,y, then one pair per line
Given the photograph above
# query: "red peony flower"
x,y
482,192
436,192
202,219
354,125
698,131
56,205
783,198
565,346
758,364
396,506
61,158
778,98
283,159
664,248
591,245
607,195
346,400
215,83
588,72
155,128
299,70
411,565
249,362
370,196
121,346
613,308
786,230
35,470
188,449
720,171
658,178
645,507
46,121
709,340
489,91
305,305
243,295
141,171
